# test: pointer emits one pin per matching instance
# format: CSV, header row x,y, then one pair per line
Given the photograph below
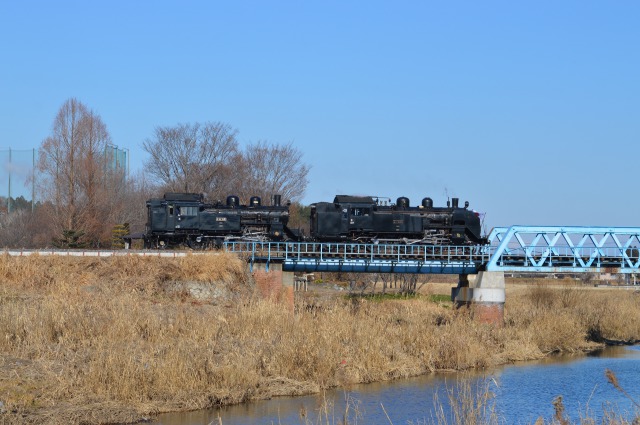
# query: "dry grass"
x,y
468,403
606,315
93,340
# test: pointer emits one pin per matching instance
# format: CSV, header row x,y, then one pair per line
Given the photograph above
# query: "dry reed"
x,y
86,335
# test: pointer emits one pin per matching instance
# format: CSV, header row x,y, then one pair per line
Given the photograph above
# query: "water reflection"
x,y
523,392
526,392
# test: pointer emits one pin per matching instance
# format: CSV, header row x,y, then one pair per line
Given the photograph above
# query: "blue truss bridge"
x,y
545,249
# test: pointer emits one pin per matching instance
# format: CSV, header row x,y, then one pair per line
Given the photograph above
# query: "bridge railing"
x,y
298,250
313,256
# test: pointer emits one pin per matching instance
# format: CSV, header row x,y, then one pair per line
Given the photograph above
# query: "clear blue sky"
x,y
528,110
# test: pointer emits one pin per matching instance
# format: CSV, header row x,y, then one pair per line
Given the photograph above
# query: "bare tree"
x,y
299,216
102,187
81,190
192,157
361,283
268,169
14,229
410,284
205,158
139,190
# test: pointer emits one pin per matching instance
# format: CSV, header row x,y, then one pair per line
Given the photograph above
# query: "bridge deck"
x,y
515,249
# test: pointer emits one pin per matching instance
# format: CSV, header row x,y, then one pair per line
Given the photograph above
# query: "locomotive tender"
x,y
186,219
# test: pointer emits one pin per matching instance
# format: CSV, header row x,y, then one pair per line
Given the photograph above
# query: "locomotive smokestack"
x,y
276,200
454,202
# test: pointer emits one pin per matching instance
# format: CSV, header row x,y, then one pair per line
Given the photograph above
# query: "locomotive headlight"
x,y
276,233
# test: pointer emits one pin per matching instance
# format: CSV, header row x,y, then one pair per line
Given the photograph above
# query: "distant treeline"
x,y
16,204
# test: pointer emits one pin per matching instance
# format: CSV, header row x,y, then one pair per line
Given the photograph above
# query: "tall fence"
x,y
18,175
17,178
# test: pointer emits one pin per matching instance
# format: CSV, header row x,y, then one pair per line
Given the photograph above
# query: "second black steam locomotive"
x,y
186,219
367,219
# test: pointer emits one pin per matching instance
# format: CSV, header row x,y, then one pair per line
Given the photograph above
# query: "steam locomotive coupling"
x,y
186,219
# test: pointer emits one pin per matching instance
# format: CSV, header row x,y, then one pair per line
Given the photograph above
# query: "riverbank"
x,y
120,339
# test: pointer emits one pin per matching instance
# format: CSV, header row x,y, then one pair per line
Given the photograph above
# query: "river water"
x,y
522,392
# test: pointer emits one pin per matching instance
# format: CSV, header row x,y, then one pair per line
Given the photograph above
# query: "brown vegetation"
x,y
83,192
206,158
94,340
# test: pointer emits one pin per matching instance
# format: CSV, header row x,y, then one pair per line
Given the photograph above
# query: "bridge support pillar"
x,y
484,297
273,283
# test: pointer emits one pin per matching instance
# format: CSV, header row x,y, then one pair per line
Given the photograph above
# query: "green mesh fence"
x,y
17,178
18,175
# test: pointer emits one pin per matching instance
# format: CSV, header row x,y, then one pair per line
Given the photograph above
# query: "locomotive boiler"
x,y
368,219
186,219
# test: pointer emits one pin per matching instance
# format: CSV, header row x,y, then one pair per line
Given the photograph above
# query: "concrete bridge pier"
x,y
484,297
273,283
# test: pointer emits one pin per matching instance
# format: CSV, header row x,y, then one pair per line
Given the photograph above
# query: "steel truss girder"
x,y
577,249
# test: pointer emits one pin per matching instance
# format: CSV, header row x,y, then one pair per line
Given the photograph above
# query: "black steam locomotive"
x,y
367,219
186,219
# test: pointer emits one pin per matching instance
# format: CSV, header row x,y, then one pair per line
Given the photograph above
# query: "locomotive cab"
x,y
170,217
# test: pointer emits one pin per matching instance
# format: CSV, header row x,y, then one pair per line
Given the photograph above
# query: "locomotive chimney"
x,y
276,200
454,202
